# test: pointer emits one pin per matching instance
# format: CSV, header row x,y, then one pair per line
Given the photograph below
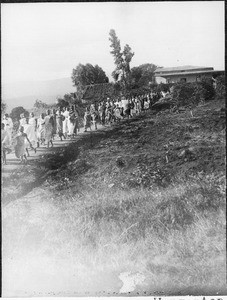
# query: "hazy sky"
x,y
42,41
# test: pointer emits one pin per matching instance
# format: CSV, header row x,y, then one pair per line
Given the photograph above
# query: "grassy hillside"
x,y
145,198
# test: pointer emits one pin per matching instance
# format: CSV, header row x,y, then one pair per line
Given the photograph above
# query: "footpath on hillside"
x,y
151,149
13,163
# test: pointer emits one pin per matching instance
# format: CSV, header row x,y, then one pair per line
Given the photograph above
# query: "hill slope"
x,y
135,208
25,93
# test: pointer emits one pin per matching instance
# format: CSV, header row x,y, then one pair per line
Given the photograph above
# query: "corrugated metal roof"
x,y
182,68
189,73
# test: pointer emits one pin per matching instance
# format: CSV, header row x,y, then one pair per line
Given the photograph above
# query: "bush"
x,y
220,88
165,87
208,88
193,93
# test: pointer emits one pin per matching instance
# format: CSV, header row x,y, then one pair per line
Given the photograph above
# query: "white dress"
x,y
5,139
33,133
8,127
23,121
65,122
71,125
28,129
41,129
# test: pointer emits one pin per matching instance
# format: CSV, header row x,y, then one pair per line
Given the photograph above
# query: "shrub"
x,y
193,93
208,88
165,87
220,88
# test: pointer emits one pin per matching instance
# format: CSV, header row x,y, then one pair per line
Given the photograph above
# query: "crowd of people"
x,y
34,132
110,111
63,123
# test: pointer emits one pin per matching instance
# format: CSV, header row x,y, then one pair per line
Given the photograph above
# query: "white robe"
x,y
8,127
65,122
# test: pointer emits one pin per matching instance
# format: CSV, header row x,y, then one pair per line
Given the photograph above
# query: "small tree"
x,y
40,104
17,111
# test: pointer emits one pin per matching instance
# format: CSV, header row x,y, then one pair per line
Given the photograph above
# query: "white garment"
x,y
31,134
71,127
8,127
40,129
146,105
124,103
23,121
5,138
65,122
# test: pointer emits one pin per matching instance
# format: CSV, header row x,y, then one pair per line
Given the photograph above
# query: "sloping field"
x,y
135,209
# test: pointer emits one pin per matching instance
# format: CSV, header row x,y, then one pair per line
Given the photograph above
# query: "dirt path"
x,y
13,162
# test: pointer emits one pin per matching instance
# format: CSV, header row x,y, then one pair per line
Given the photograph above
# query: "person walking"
x,y
76,128
29,131
54,122
6,144
40,129
48,128
8,126
65,113
20,147
59,123
22,120
33,122
94,115
71,122
87,119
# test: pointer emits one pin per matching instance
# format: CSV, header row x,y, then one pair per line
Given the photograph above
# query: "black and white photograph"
x,y
113,149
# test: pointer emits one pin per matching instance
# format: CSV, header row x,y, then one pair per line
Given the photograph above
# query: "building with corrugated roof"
x,y
185,74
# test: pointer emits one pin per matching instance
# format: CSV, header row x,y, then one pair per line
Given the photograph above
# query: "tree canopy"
x,y
88,74
40,104
17,111
142,76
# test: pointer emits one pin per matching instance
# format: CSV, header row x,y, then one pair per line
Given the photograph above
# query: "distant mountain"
x,y
25,93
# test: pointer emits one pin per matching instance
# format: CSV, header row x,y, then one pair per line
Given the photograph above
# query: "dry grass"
x,y
164,234
96,211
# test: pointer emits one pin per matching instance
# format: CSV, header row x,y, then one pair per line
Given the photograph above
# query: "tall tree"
x,y
122,61
88,74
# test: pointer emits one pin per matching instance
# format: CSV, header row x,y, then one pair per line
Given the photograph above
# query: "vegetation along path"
x,y
136,209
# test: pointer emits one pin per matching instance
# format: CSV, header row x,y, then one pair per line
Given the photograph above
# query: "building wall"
x,y
177,78
160,80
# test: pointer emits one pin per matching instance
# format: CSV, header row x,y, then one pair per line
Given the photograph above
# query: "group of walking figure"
x,y
64,123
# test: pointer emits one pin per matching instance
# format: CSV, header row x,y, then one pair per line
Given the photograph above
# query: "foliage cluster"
x,y
164,87
88,74
100,92
220,87
17,111
185,94
40,104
